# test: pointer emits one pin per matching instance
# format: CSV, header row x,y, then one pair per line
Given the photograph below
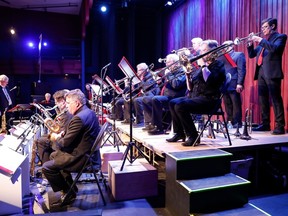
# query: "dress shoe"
x,y
190,141
176,138
64,199
278,131
126,121
156,131
148,127
262,127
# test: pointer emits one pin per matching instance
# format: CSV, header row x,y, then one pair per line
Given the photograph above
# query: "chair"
x,y
89,166
218,111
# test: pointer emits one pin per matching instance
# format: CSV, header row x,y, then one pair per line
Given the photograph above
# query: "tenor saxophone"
x,y
3,123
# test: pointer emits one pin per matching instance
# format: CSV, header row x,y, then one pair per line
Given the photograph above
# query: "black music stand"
x,y
133,79
103,86
113,132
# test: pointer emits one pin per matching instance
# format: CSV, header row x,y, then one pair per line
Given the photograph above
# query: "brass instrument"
x,y
121,81
183,50
52,125
238,40
3,123
245,135
162,60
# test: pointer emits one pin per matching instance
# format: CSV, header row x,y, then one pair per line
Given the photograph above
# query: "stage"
x,y
158,145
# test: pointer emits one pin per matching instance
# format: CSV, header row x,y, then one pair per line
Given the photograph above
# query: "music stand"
x,y
118,90
125,66
20,108
103,85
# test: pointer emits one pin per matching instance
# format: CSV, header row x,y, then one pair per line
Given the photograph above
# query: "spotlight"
x,y
169,3
31,44
12,31
103,9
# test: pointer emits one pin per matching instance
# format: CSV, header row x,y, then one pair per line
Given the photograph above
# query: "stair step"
x,y
200,163
209,194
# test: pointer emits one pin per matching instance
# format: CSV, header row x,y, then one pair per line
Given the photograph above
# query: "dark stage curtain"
x,y
225,20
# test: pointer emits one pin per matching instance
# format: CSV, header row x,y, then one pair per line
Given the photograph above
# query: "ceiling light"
x,y
169,3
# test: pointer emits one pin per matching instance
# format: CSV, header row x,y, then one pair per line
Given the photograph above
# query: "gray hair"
x,y
76,95
3,77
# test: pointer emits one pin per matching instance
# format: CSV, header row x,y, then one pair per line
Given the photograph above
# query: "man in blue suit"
x,y
269,73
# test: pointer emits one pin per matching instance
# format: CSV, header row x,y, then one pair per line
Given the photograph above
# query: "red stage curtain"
x,y
225,20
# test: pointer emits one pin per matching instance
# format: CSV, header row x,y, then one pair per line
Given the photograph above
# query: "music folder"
x,y
128,70
117,89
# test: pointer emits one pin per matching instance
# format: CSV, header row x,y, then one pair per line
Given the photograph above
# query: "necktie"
x,y
206,73
230,60
260,58
163,89
7,96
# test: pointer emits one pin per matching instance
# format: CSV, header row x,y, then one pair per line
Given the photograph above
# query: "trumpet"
x,y
238,40
162,60
183,49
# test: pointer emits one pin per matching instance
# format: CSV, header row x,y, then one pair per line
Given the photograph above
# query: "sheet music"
x,y
96,89
117,89
126,68
100,81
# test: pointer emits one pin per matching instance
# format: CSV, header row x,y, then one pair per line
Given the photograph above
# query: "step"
x,y
207,194
200,163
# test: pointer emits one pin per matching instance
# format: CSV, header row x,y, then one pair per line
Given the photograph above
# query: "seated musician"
x,y
174,86
148,87
44,145
73,145
205,85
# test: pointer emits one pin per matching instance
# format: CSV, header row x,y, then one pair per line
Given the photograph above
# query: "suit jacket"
x,y
80,135
272,55
3,100
237,73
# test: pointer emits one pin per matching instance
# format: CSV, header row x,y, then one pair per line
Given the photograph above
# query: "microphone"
x,y
13,88
160,60
106,66
151,66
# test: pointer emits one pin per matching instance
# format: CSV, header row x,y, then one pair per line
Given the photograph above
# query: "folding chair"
x,y
218,111
88,165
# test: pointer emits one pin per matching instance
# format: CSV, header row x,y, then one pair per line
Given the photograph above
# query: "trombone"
x,y
244,40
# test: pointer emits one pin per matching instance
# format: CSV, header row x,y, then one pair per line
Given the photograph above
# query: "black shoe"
x,y
278,131
66,200
176,138
262,127
148,127
156,131
126,121
190,141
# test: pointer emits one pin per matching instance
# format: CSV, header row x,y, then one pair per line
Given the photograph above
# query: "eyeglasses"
x,y
264,27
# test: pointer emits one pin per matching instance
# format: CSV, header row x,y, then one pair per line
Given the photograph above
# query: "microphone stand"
x,y
131,144
101,87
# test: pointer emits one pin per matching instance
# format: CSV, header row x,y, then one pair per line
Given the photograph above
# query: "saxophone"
x,y
3,123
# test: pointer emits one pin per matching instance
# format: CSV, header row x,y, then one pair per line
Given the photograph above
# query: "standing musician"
x,y
148,87
174,87
76,141
44,145
5,101
205,86
269,73
235,64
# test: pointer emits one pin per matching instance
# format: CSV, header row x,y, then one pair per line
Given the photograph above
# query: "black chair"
x,y
89,165
216,111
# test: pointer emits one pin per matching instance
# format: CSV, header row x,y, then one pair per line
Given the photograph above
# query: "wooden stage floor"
x,y
158,145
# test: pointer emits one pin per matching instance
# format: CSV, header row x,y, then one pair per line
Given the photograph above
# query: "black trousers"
x,y
270,89
181,110
233,107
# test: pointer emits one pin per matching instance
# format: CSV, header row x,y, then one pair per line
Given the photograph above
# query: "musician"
x,y
205,85
44,145
269,73
235,64
148,87
73,145
196,42
47,102
5,100
174,87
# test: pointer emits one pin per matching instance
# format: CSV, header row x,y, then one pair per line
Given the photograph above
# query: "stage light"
x,y
12,31
169,3
103,9
31,44
45,44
